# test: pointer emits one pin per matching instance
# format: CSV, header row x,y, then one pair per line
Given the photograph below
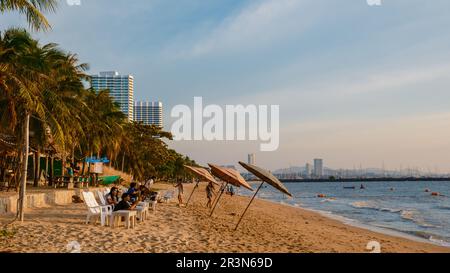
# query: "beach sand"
x,y
267,228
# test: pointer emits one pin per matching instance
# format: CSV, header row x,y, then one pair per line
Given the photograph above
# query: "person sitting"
x,y
145,193
133,192
112,198
125,203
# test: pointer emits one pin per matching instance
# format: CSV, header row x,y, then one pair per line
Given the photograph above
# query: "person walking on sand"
x,y
180,188
209,194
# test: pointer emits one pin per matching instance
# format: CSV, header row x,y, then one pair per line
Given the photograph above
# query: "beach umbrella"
x,y
202,173
266,177
229,176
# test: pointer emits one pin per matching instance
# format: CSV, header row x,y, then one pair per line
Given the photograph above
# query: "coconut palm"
x,y
22,72
33,10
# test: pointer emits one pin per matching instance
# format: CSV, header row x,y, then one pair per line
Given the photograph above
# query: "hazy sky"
x,y
355,84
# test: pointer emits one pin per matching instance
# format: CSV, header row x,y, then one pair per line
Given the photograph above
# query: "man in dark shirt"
x,y
125,203
133,192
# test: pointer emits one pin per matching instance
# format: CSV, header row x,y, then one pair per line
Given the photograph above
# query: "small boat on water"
x,y
350,188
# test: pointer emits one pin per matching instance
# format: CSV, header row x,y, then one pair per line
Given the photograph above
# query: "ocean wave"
x,y
439,240
373,205
416,217
328,200
443,207
406,214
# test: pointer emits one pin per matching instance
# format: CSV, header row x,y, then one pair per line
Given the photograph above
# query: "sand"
x,y
267,228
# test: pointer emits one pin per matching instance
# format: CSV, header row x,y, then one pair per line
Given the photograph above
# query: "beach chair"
x,y
129,215
101,197
95,210
142,211
106,191
168,196
154,202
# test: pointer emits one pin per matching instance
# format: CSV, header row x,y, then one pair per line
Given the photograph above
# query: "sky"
x,y
357,85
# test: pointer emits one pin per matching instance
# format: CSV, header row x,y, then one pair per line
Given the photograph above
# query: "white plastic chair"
x,y
95,210
142,211
168,196
154,203
102,197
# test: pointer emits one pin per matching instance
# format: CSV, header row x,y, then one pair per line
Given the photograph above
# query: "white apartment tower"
x,y
318,168
121,88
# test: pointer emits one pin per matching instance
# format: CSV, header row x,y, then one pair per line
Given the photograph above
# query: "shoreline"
x,y
268,227
358,224
383,230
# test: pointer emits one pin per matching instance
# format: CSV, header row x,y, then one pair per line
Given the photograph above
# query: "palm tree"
x,y
32,9
38,83
22,72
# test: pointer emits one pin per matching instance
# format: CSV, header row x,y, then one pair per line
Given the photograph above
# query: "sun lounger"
x,y
95,210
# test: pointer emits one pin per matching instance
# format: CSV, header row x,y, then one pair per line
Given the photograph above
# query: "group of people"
x,y
132,197
210,192
129,199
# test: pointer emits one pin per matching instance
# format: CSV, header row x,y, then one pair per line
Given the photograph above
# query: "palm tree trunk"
x,y
46,168
34,166
23,186
123,161
83,168
37,171
52,173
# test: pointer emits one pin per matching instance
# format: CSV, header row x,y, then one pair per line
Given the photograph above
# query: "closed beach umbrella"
x,y
202,173
266,177
229,176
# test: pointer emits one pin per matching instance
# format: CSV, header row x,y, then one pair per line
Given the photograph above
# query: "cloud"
x,y
366,82
259,24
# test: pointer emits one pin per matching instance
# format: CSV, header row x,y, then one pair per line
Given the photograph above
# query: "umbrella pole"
x,y
192,193
218,199
251,201
217,196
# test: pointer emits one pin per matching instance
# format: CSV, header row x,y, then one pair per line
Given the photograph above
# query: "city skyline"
x,y
355,84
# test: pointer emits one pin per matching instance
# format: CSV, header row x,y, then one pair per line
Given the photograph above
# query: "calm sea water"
x,y
398,206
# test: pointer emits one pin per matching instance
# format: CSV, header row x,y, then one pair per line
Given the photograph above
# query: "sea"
x,y
397,208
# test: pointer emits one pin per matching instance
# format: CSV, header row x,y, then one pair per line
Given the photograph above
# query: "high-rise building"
x,y
318,168
308,170
149,113
121,88
251,159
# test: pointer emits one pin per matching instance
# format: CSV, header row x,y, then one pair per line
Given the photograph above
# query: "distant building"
x,y
121,88
149,113
308,170
251,159
318,168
